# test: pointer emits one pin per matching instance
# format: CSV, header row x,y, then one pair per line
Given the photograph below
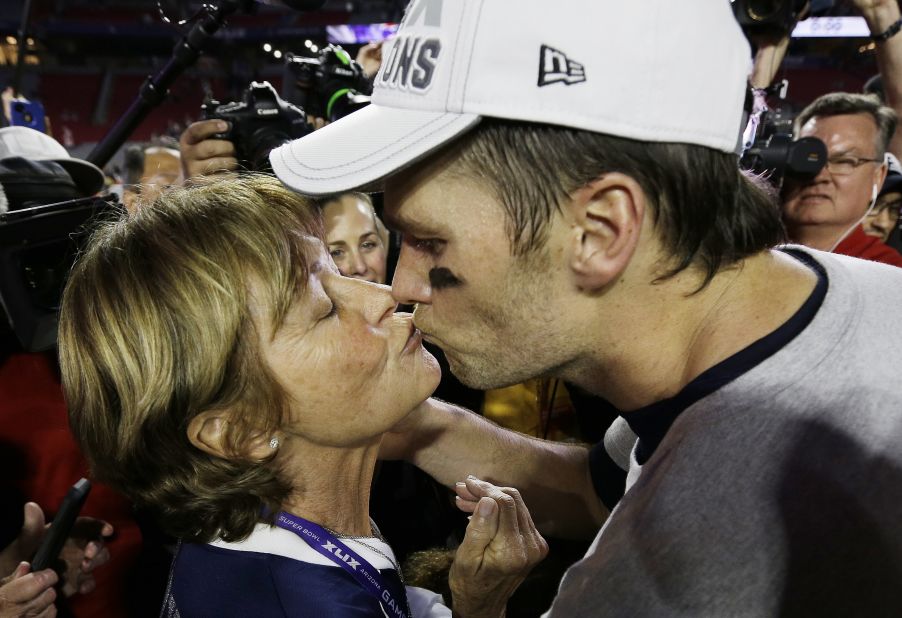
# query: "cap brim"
x,y
364,147
87,177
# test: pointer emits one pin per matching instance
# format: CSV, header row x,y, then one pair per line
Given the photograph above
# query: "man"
x,y
883,218
355,236
827,212
571,206
149,171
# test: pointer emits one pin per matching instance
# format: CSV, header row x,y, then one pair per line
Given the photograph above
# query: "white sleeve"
x,y
426,604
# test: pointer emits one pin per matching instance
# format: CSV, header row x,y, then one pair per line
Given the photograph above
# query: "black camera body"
x,y
330,86
38,246
773,152
774,17
260,122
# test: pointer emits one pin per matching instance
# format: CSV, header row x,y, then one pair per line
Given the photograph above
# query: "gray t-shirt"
x,y
781,492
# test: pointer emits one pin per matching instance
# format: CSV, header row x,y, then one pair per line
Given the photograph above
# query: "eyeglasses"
x,y
893,208
846,164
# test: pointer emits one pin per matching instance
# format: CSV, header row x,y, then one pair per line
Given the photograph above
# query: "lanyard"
x,y
332,548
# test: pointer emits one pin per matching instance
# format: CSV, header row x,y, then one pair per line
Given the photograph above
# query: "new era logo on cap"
x,y
555,67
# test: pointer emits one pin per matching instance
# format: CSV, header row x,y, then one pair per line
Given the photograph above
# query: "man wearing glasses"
x,y
827,212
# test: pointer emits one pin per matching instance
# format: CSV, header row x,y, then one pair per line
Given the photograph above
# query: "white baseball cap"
x,y
36,146
653,70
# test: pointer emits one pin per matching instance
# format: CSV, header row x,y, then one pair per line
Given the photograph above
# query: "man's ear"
x,y
606,216
880,175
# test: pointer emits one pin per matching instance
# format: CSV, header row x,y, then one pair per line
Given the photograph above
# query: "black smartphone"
x,y
62,524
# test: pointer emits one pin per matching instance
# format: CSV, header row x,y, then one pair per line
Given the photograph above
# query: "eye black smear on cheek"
x,y
442,278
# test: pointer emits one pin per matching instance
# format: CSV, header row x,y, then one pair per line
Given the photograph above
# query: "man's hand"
x,y
26,543
28,594
203,155
869,6
84,551
879,14
370,58
501,546
770,51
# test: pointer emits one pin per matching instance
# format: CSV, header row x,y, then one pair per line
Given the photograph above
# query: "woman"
x,y
221,373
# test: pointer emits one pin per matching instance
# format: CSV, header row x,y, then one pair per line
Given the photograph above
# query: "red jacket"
x,y
860,245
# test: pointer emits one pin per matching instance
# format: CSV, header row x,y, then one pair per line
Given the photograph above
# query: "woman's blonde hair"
x,y
155,329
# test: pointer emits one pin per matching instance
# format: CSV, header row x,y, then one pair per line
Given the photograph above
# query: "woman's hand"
x,y
501,546
84,551
28,594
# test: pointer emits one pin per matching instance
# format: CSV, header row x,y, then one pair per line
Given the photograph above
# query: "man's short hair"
x,y
136,155
841,103
707,212
155,329
133,166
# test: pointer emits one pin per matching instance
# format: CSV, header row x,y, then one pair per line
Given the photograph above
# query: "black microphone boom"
x,y
297,5
184,55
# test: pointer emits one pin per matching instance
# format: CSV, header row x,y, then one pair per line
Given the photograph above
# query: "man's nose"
x,y
822,176
410,284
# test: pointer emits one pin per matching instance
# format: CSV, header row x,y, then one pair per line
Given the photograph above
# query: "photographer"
x,y
826,211
322,89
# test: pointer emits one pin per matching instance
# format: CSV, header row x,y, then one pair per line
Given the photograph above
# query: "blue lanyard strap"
x,y
358,567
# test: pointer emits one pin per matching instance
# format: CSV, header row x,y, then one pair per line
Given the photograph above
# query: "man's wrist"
x,y
889,33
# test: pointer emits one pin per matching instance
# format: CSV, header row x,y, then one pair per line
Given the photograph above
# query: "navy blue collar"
x,y
653,421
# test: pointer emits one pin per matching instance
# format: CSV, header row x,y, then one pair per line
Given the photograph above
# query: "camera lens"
x,y
263,141
345,102
762,10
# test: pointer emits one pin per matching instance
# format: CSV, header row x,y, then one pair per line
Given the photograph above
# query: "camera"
x,y
38,245
775,17
769,148
330,86
260,122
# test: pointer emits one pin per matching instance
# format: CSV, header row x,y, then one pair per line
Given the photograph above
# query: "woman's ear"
x,y
207,431
606,217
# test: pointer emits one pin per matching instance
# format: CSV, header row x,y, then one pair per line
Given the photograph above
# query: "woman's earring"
x,y
274,443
